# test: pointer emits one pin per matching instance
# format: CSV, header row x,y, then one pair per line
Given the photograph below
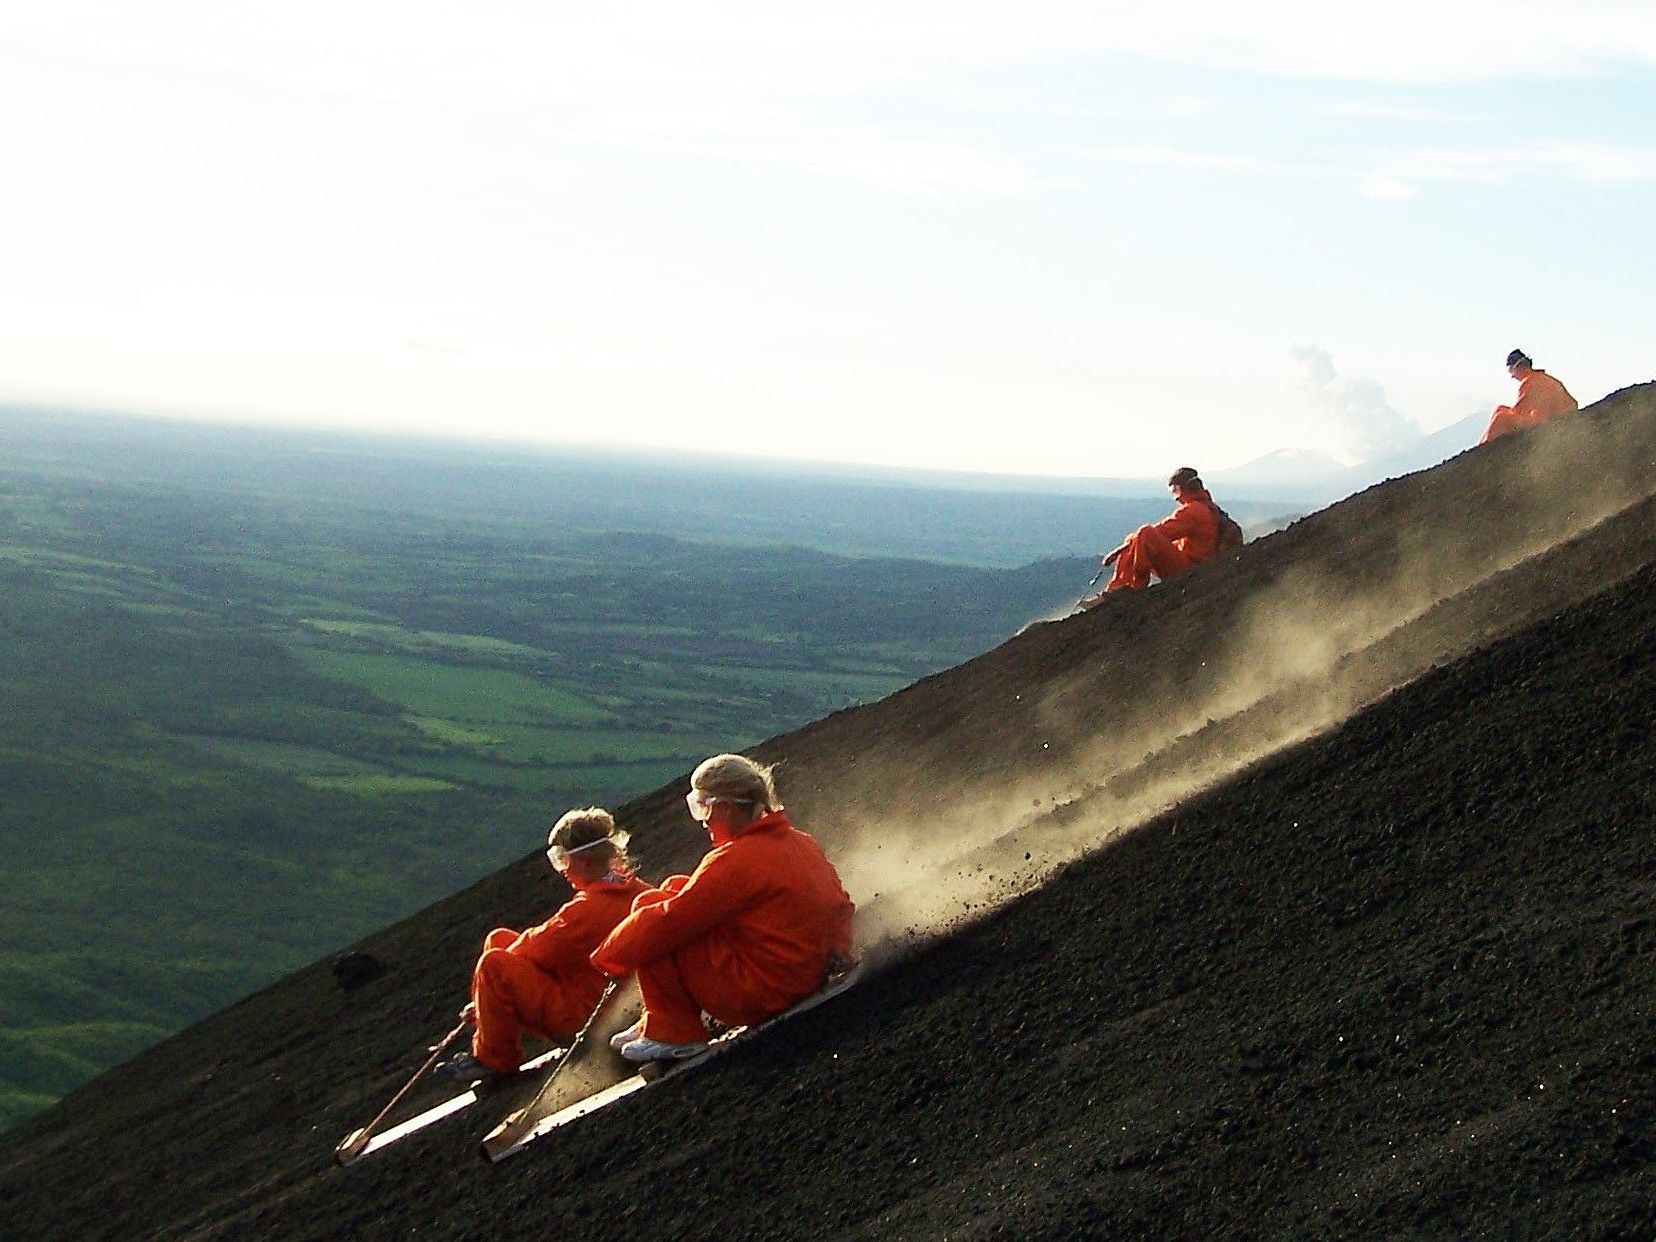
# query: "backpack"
x,y
1230,532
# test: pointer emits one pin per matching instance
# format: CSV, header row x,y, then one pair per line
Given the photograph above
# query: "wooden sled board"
x,y
454,1104
590,1066
637,1078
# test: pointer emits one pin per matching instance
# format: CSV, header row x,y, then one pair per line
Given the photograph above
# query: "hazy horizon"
x,y
1302,478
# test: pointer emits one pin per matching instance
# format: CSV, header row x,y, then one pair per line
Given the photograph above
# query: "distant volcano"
x,y
1292,466
1316,478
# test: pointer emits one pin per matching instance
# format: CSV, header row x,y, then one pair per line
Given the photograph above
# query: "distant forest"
x,y
269,691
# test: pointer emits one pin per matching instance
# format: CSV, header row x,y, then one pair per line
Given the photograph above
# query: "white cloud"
x,y
1412,113
795,83
1168,155
565,51
1387,189
1597,163
926,160
1363,423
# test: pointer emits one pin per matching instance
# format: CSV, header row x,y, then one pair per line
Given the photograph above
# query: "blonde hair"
x,y
738,778
595,827
585,825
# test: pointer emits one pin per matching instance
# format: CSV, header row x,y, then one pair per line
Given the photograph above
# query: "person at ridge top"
x,y
1185,538
542,980
1540,398
759,925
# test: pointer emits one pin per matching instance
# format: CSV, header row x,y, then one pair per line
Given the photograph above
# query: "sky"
x,y
1089,239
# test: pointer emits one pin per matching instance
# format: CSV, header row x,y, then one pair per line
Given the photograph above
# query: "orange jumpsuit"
x,y
1540,397
744,937
1185,538
543,980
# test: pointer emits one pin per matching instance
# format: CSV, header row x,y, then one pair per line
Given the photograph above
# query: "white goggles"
x,y
559,857
701,804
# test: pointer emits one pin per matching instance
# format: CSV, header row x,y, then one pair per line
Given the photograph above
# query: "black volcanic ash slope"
x,y
1395,980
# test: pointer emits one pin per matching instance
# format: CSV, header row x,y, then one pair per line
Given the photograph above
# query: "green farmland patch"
x,y
621,781
53,557
375,785
449,732
450,692
616,745
419,640
170,611
526,744
288,757
304,609
628,629
481,773
824,686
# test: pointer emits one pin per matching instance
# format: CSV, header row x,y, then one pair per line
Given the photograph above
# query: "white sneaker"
x,y
628,1035
641,1050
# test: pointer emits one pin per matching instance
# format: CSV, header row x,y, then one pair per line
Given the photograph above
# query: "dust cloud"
x,y
1029,779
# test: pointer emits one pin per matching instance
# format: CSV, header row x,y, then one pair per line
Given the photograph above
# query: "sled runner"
x,y
365,1142
588,1067
608,1077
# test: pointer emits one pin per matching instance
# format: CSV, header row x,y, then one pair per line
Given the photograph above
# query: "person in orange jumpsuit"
x,y
758,926
1540,398
1185,538
542,981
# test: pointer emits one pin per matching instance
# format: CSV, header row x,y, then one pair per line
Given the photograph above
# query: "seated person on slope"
x,y
543,981
1540,398
757,928
1183,539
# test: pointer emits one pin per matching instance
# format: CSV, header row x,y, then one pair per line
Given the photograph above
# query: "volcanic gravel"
x,y
1395,980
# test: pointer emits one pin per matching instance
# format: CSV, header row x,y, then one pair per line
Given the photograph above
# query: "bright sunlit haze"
x,y
1041,238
